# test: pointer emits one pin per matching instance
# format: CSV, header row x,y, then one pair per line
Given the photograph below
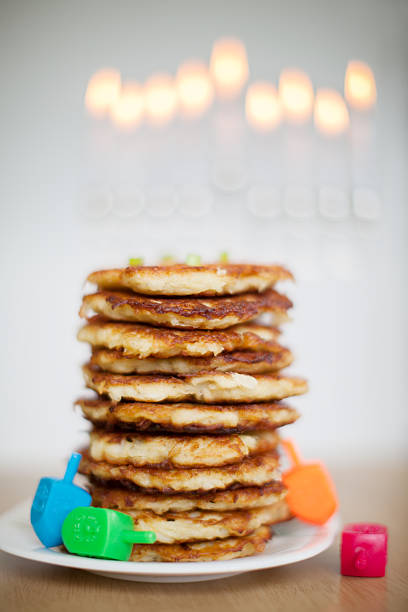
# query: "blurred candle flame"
x,y
194,87
359,86
102,91
331,116
262,106
127,110
160,98
229,67
296,95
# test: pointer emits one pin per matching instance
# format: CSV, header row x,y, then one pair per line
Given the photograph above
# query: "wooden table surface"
x,y
367,493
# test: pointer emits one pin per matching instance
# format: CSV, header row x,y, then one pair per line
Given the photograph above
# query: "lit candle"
x,y
102,93
361,94
127,114
195,88
262,106
296,94
229,72
330,114
229,67
127,109
331,119
296,98
264,113
161,105
160,97
196,94
359,86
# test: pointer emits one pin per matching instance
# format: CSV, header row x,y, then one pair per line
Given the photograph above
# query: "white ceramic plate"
x,y
293,541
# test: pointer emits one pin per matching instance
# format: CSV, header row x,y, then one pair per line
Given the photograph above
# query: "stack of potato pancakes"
x,y
185,419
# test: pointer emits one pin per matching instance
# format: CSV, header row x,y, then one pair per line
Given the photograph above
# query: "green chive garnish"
x,y
136,261
167,259
224,257
193,260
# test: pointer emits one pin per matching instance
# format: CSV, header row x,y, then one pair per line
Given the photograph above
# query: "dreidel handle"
x,y
292,451
311,493
138,537
72,467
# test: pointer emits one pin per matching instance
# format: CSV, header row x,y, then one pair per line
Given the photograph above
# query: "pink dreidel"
x,y
364,550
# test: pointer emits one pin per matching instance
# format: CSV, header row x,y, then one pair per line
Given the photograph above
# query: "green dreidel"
x,y
103,533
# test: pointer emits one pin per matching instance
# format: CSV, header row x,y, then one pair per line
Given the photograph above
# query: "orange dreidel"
x,y
311,493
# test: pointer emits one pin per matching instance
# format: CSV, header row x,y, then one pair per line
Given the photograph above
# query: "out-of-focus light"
x,y
167,260
334,203
299,202
296,95
195,201
366,204
127,204
230,174
102,91
161,201
96,204
262,106
160,98
330,113
359,86
127,110
194,87
264,201
229,67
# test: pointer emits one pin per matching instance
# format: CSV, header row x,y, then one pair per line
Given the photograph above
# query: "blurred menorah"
x,y
289,161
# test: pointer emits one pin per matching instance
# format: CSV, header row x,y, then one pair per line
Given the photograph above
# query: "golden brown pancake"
x,y
210,387
251,472
216,550
146,341
243,362
187,313
186,417
194,526
120,498
169,451
180,279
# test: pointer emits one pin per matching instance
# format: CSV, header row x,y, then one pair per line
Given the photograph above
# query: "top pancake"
x,y
187,313
181,279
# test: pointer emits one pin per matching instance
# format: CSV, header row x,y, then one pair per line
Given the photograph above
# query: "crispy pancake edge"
x,y
179,417
178,450
242,362
210,387
174,527
186,313
142,341
216,550
117,497
252,471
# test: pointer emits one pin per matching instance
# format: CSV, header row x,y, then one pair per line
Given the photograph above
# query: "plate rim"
x,y
319,541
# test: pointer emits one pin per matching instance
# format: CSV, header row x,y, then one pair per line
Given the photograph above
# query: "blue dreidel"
x,y
54,500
